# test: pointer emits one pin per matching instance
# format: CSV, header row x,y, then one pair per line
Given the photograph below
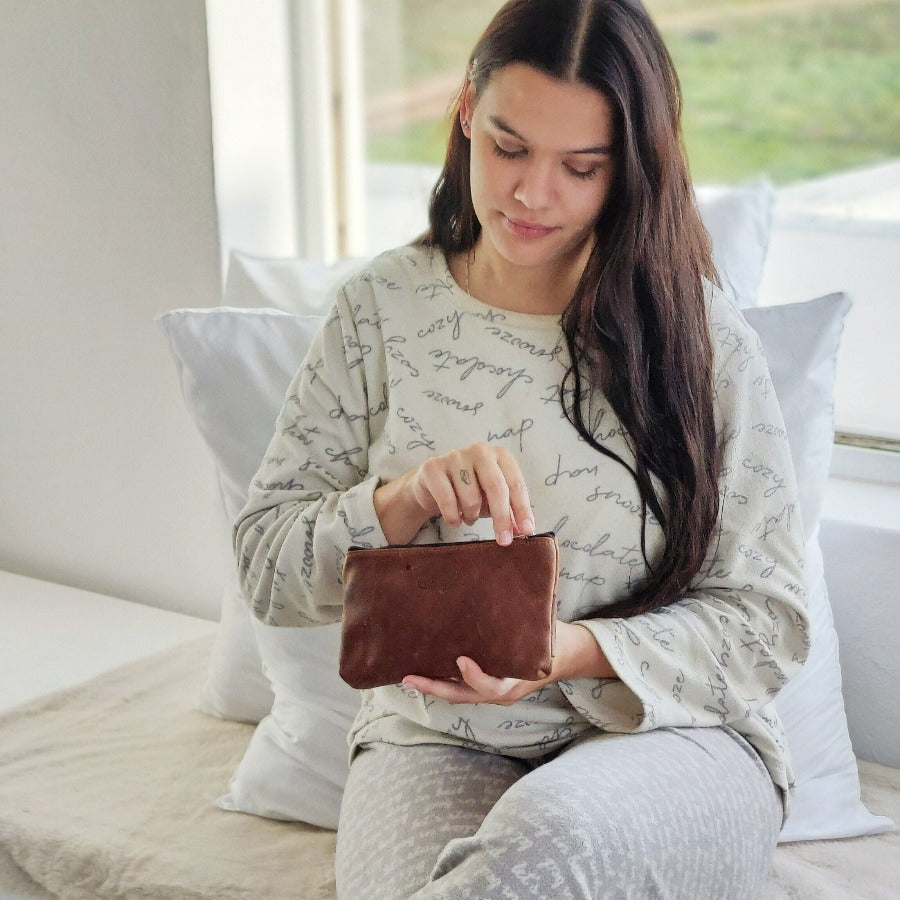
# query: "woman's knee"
x,y
595,823
401,807
533,843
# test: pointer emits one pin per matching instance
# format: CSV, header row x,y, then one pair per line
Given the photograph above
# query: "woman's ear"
x,y
467,108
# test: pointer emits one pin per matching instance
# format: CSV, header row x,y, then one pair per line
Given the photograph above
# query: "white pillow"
x,y
801,342
236,687
226,380
294,767
293,285
297,762
235,366
739,222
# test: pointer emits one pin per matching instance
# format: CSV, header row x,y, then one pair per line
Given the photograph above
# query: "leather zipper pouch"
x,y
412,610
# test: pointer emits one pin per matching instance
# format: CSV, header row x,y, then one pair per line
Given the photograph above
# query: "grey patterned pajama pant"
x,y
678,812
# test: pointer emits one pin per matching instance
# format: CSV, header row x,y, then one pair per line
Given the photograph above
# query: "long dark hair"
x,y
636,326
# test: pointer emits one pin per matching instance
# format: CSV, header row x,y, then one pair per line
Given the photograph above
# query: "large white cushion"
x,y
296,764
801,342
289,284
227,382
739,222
234,367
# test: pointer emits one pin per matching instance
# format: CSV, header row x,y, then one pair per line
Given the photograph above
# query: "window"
x,y
804,93
801,91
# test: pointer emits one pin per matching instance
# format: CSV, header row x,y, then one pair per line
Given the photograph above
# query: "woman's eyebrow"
x,y
499,123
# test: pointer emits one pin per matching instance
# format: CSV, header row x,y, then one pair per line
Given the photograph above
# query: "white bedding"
x,y
107,788
54,637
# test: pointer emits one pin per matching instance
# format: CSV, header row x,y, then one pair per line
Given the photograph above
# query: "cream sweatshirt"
x,y
406,366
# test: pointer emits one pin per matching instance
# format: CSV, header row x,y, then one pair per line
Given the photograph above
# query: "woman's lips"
x,y
527,229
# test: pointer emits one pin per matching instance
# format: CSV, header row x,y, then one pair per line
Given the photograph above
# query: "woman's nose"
x,y
535,186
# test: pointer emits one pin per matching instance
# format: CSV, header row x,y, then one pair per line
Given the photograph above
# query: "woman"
x,y
553,356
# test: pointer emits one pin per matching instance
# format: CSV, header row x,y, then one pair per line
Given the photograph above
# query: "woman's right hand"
x,y
462,486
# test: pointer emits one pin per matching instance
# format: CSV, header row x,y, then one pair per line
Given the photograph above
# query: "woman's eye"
x,y
507,154
574,171
583,173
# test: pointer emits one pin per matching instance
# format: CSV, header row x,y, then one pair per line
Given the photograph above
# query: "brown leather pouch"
x,y
412,610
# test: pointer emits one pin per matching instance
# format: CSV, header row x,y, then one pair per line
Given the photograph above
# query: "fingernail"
x,y
528,527
504,538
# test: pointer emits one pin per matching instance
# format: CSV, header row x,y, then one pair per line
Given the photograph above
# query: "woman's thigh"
x,y
680,813
403,805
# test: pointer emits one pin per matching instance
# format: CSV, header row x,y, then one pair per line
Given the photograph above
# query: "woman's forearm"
x,y
579,655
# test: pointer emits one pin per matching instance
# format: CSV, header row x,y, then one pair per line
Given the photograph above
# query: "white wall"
x,y
108,218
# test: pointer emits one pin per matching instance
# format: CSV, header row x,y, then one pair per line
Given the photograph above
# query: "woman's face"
x,y
541,164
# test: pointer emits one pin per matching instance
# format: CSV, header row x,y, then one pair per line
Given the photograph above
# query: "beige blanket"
x,y
107,789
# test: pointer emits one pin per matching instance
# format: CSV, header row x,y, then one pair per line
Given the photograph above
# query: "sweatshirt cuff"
x,y
612,704
362,521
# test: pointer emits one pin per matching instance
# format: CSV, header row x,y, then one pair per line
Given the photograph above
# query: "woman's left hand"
x,y
577,656
475,686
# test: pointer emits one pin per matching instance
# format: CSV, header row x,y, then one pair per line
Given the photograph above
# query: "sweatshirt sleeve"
x,y
312,496
725,649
